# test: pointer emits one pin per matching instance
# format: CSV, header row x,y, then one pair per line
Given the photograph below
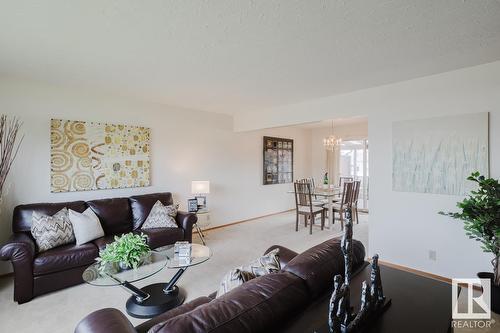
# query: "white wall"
x,y
186,145
405,226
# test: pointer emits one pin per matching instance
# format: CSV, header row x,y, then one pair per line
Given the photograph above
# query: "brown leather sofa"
x,y
61,267
264,304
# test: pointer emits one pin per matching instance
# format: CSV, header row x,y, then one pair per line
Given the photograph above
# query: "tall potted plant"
x,y
480,213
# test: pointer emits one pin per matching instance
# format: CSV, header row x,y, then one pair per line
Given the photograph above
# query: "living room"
x,y
209,81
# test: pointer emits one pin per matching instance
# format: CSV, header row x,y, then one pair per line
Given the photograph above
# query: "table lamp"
x,y
199,188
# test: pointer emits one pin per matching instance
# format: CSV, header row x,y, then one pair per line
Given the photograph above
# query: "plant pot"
x,y
495,291
123,266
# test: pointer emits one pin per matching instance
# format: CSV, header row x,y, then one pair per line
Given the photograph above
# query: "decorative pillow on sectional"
x,y
52,231
232,280
161,217
268,263
86,226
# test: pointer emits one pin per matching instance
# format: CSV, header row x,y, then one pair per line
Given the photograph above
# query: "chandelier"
x,y
331,141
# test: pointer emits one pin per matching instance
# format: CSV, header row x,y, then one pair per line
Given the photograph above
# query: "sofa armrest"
x,y
105,321
184,308
20,250
284,253
19,247
186,220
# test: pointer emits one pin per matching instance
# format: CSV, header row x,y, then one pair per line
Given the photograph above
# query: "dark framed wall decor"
x,y
192,205
278,160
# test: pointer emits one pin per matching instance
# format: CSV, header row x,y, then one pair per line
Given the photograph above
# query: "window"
x,y
353,162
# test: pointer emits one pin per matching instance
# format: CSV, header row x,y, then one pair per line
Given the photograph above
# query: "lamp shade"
x,y
200,187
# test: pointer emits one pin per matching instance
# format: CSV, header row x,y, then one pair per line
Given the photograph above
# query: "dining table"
x,y
331,195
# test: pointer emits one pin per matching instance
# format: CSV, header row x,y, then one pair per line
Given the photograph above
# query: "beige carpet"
x,y
60,311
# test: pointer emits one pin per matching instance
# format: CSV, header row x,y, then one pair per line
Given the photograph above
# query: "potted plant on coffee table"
x,y
480,213
127,251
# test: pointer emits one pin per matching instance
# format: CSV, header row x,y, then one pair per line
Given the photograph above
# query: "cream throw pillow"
x,y
86,226
161,217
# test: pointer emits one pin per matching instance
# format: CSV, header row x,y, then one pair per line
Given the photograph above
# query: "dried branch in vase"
x,y
9,145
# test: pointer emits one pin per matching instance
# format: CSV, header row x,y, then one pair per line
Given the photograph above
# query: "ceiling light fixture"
x,y
332,141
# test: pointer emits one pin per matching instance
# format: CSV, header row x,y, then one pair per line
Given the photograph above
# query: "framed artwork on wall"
x,y
192,205
88,156
278,160
436,155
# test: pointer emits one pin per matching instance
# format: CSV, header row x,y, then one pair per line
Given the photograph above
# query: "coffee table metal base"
x,y
158,302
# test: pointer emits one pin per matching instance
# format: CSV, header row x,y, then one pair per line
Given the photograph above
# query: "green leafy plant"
x,y
480,213
128,250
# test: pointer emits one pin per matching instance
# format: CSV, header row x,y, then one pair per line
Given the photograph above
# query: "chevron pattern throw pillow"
x,y
232,280
268,263
52,231
161,217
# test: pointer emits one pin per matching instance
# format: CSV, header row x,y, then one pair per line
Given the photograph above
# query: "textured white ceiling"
x,y
235,56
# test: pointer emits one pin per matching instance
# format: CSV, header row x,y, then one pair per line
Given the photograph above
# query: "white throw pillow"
x,y
161,217
86,226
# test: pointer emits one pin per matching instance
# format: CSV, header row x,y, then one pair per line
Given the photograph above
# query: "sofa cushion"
x,y
162,236
141,205
114,214
22,217
64,257
318,265
156,237
103,241
260,305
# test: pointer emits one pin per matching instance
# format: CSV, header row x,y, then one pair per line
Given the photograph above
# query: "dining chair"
x,y
355,197
305,207
315,201
345,202
342,180
313,186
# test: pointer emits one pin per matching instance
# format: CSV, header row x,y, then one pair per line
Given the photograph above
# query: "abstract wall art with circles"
x,y
88,156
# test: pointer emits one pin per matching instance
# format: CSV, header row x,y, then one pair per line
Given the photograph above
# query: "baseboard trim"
x,y
247,220
416,272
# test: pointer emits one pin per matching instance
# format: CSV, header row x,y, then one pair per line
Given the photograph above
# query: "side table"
x,y
206,214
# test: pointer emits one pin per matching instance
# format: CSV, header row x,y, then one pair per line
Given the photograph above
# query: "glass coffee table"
x,y
153,299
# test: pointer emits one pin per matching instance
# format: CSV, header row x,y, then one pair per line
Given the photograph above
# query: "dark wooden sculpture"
x,y
373,302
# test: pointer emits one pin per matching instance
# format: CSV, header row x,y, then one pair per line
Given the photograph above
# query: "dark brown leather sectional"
x,y
264,304
39,273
